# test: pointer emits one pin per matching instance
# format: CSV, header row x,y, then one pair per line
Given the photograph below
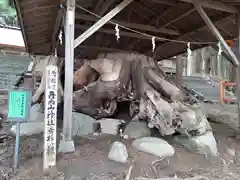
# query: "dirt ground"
x,y
90,160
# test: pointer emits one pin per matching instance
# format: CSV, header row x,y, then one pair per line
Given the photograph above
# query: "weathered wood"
x,y
215,31
214,5
180,17
101,22
105,6
49,60
143,27
57,26
122,32
238,76
187,35
69,60
84,76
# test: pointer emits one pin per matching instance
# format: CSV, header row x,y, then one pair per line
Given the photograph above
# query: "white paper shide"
x,y
50,116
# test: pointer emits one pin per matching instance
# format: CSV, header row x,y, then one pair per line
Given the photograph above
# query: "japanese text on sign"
x,y
17,104
50,116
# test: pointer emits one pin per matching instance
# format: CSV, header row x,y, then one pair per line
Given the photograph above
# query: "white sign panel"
x,y
50,130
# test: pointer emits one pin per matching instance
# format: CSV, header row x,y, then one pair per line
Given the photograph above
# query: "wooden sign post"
x,y
50,131
19,104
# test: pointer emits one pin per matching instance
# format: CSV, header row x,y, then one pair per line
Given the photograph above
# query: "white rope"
x,y
117,32
153,44
145,34
219,49
60,37
189,59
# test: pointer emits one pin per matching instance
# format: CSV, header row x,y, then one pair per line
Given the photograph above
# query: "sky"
x,y
11,37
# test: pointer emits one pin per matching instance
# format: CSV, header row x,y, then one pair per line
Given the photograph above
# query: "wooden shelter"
x,y
174,23
173,19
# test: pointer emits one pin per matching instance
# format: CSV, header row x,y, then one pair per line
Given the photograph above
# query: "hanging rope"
x,y
60,37
153,44
145,34
189,58
219,49
117,32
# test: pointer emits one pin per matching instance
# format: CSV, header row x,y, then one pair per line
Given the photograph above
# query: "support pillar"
x,y
67,144
214,30
203,61
179,70
198,62
238,78
189,66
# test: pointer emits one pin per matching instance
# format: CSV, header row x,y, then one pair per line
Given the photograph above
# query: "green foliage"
x,y
8,15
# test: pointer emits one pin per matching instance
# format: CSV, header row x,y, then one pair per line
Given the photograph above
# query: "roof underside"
x,y
173,19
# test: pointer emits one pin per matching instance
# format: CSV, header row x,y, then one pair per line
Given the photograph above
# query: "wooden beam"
x,y
67,145
214,5
20,20
160,17
238,79
122,33
106,6
57,26
101,22
186,35
180,17
99,48
164,2
224,53
131,25
98,5
214,30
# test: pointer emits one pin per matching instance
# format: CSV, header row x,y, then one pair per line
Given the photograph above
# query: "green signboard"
x,y
19,103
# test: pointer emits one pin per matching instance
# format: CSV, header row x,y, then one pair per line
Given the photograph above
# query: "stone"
x,y
194,122
66,146
137,129
110,126
155,146
203,144
29,128
118,152
83,124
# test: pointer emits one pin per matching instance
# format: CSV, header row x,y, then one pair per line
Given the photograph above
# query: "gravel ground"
x,y
90,161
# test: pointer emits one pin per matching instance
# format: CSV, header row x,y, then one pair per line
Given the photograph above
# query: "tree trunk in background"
x,y
179,70
203,61
198,61
232,72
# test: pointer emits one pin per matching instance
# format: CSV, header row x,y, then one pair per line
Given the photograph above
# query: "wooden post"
x,y
238,78
179,70
214,30
101,22
66,144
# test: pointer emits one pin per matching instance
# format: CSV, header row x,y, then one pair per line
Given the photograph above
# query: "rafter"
x,y
161,17
131,25
112,31
159,47
106,6
180,17
101,22
57,26
214,5
215,31
164,2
